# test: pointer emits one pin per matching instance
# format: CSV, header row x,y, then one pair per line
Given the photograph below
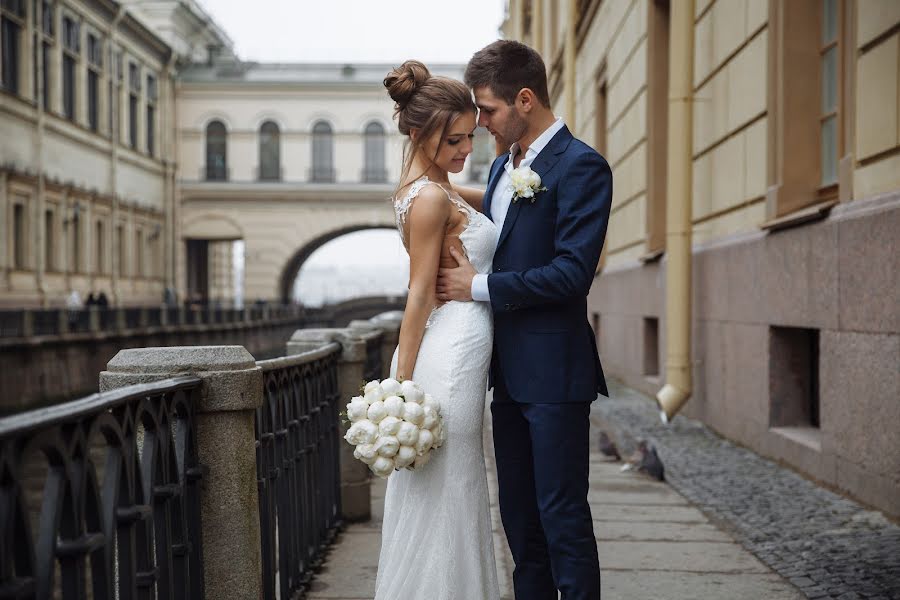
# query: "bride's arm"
x,y
472,196
427,221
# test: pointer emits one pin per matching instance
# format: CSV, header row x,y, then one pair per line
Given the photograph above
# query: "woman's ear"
x,y
414,133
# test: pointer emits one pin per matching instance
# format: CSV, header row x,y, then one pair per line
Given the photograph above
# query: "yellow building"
x,y
791,164
87,147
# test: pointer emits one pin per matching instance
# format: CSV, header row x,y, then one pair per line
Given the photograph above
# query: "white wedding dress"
x,y
436,537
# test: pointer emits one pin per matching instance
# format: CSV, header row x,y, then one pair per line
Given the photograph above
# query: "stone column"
x,y
389,323
232,390
356,498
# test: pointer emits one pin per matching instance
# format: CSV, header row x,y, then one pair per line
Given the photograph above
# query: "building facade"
x,y
284,157
87,180
794,179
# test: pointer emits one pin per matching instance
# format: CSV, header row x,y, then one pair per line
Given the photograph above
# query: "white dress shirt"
x,y
502,197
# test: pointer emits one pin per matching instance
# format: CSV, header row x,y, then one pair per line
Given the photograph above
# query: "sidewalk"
x,y
653,545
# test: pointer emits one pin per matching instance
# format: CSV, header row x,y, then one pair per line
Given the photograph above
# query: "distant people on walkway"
x,y
91,300
102,300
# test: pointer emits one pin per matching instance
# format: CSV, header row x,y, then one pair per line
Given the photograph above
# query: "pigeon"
x,y
652,465
608,448
634,461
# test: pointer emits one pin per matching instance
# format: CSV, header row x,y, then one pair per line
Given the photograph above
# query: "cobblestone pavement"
x,y
825,544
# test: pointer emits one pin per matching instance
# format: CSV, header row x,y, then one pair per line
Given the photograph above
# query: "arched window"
x,y
216,151
269,152
374,171
322,153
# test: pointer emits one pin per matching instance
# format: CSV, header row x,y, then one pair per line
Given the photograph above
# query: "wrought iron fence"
x,y
298,468
99,497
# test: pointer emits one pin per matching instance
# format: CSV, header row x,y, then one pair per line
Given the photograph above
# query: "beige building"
x,y
87,180
283,157
793,176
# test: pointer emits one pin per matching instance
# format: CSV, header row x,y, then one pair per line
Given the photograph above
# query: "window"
x,y
71,50
828,76
100,248
139,253
216,152
120,250
49,241
12,22
134,91
808,41
269,152
43,42
152,95
95,65
115,93
19,236
793,377
374,170
322,153
75,225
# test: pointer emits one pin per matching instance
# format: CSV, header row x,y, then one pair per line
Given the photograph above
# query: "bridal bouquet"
x,y
394,425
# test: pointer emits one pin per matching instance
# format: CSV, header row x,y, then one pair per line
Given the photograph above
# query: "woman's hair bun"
x,y
404,81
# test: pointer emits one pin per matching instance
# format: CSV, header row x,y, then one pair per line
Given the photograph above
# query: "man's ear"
x,y
526,100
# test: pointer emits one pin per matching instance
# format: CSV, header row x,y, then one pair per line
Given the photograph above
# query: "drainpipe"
x,y
537,26
569,62
678,385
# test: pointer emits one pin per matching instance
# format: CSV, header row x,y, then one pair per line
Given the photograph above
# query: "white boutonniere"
x,y
525,183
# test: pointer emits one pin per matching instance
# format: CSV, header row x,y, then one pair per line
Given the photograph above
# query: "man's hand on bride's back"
x,y
455,283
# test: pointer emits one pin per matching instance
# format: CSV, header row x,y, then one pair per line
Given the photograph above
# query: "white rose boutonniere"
x,y
525,183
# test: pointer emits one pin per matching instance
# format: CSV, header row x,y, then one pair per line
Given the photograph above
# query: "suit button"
x,y
507,307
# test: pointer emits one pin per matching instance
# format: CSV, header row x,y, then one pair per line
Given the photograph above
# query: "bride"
x,y
436,536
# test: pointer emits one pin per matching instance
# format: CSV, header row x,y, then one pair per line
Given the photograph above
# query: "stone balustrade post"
x,y
62,320
232,391
27,323
389,323
94,318
356,498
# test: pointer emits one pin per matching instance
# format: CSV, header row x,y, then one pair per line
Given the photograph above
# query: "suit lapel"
x,y
492,183
544,161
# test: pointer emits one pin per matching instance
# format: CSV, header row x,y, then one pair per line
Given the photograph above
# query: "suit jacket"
x,y
547,254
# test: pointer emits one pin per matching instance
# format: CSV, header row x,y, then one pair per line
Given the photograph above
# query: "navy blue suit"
x,y
545,370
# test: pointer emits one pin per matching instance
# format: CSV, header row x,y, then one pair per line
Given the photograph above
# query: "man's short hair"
x,y
507,66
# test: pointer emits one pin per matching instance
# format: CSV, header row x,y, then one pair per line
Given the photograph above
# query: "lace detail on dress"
x,y
403,205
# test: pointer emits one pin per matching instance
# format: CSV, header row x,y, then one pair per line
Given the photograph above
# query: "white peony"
x,y
377,411
371,386
383,466
406,455
394,406
438,432
430,419
391,387
366,453
389,425
430,401
425,441
408,434
374,394
362,432
387,446
411,392
357,409
412,412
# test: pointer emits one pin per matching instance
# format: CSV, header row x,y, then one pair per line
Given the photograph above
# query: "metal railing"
x,y
298,467
26,322
99,497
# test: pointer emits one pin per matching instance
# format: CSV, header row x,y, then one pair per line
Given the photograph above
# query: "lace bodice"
x,y
479,237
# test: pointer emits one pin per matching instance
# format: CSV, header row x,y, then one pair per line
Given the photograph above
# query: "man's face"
x,y
503,120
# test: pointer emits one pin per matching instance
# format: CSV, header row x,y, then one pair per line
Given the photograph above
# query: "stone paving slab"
x,y
653,545
825,544
696,586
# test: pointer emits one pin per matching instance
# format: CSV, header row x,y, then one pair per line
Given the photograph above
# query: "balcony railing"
x,y
100,496
322,175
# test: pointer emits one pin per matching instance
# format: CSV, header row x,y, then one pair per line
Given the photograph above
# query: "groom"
x,y
545,370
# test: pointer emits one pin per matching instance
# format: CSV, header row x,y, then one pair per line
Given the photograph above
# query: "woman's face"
x,y
456,146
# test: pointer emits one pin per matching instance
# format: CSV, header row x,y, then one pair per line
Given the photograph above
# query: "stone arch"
x,y
301,255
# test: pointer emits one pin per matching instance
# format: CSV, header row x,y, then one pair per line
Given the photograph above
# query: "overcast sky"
x,y
358,30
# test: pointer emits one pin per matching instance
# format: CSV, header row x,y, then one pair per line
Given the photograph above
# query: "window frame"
x,y
217,173
374,153
265,171
322,169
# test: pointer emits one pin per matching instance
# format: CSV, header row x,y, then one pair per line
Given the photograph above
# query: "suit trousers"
x,y
542,455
